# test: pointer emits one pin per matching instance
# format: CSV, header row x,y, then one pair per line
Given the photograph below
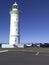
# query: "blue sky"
x,y
34,20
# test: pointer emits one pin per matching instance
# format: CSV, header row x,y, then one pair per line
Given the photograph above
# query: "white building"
x,y
14,37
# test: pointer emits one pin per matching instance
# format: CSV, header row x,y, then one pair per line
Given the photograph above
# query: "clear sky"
x,y
34,20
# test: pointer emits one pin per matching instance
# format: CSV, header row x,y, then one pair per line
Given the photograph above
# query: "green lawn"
x,y
31,49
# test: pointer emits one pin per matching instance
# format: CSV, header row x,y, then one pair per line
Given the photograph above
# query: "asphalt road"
x,y
23,58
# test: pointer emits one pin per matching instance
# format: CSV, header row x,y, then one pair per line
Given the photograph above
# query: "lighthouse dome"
x,y
15,6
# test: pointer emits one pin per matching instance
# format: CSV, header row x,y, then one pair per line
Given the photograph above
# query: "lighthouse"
x,y
14,37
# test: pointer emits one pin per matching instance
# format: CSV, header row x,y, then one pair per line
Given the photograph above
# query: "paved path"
x,y
23,58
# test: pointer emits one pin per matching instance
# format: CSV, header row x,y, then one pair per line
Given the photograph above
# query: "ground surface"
x,y
24,58
31,49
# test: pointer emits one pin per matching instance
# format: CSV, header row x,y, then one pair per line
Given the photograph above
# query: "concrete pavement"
x,y
24,58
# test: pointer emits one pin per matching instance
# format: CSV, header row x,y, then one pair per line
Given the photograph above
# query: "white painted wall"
x,y
7,46
20,45
14,27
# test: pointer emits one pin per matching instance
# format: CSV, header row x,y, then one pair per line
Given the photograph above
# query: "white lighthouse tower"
x,y
14,38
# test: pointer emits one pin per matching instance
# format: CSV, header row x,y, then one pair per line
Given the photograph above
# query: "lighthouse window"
x,y
15,40
16,29
16,18
14,6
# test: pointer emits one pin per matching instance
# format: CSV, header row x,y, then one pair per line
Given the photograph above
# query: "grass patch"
x,y
31,49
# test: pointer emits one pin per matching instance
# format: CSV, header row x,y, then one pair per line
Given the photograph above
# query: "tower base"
x,y
7,46
12,46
